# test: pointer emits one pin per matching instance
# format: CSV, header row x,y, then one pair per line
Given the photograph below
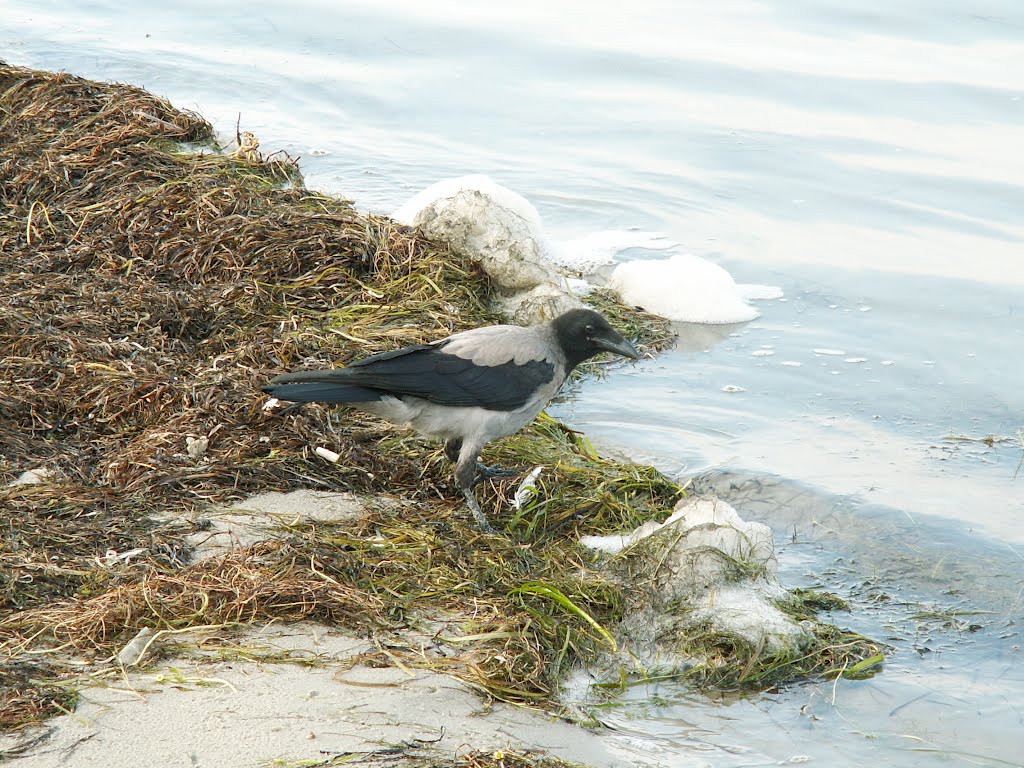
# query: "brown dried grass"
x,y
148,290
150,285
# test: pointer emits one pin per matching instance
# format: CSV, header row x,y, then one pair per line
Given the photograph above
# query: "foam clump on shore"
x,y
688,288
703,575
502,232
537,277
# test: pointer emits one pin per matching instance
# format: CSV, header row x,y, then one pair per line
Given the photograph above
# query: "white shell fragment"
x,y
113,557
132,653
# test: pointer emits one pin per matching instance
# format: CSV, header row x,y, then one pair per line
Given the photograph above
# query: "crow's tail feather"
x,y
318,387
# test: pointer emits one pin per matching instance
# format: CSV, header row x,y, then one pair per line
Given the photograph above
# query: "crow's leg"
x,y
452,448
478,513
453,452
465,478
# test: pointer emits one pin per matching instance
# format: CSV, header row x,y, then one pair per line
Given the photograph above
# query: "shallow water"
x,y
863,157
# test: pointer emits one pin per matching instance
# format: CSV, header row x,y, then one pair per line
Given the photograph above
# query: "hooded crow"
x,y
468,389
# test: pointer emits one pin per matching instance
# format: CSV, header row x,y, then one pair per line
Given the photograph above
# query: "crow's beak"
x,y
618,345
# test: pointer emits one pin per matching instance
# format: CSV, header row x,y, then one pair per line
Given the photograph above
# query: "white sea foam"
x,y
686,288
588,253
683,287
581,255
754,292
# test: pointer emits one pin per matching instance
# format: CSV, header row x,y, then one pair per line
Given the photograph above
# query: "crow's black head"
x,y
583,333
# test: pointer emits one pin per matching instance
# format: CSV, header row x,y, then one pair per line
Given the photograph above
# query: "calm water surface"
x,y
865,157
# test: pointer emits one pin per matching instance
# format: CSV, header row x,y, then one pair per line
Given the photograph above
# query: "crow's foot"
x,y
485,472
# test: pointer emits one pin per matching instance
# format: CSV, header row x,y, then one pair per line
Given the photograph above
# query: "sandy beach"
x,y
313,707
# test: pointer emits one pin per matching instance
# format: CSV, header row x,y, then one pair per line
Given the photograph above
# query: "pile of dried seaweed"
x,y
149,289
151,284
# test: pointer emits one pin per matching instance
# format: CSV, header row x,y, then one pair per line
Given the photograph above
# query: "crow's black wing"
x,y
428,372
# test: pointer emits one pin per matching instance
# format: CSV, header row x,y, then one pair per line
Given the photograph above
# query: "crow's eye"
x,y
589,329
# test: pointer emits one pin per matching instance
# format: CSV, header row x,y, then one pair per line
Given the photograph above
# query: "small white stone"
x,y
32,476
196,447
